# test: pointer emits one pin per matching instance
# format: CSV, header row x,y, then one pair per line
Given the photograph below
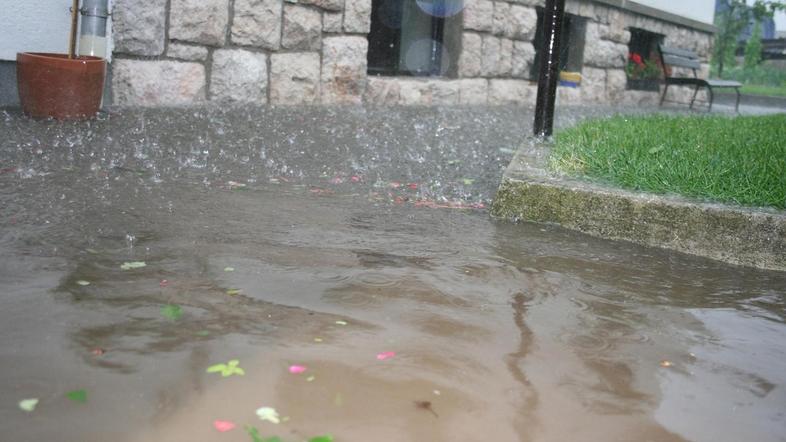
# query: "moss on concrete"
x,y
743,236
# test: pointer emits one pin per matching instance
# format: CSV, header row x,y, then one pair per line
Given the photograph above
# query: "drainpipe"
x,y
92,39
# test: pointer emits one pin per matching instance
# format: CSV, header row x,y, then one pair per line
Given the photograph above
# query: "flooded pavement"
x,y
353,243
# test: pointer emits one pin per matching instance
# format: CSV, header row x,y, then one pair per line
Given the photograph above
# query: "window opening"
x,y
408,37
644,68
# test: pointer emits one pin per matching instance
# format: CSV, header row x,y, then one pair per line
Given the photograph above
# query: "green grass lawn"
x,y
734,160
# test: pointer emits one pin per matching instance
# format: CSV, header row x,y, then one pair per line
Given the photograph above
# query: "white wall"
x,y
33,26
699,10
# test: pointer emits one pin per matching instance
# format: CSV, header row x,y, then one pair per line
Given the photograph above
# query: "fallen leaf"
x,y
268,414
297,369
98,351
77,396
321,439
341,322
28,405
223,426
665,364
317,339
468,181
426,405
163,283
311,378
385,355
133,265
83,283
227,369
233,292
229,269
172,311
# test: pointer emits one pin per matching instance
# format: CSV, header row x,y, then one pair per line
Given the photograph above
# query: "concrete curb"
x,y
754,237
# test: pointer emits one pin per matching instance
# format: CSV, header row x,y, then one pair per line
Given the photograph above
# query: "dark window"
x,y
414,37
572,50
644,67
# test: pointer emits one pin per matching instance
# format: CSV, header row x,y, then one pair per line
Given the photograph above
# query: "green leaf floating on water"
x,y
133,265
28,405
326,438
227,369
77,396
172,311
256,437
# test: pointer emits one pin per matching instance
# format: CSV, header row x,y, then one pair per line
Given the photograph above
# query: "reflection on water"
x,y
509,332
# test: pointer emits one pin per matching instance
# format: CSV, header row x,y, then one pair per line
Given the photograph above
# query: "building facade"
x,y
388,52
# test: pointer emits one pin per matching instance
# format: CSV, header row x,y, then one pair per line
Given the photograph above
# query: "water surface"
x,y
349,233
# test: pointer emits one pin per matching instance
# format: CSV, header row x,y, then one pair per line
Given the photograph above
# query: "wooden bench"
x,y
674,57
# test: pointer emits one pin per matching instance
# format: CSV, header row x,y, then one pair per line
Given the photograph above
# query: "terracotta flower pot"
x,y
52,85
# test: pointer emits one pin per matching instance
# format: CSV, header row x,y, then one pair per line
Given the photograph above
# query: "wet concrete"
x,y
368,217
747,236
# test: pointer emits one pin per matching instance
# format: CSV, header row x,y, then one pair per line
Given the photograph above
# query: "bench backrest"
x,y
679,58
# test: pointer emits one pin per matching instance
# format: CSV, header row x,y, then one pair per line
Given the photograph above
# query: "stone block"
x,y
471,55
502,25
479,15
473,91
603,53
239,76
490,55
523,58
329,5
382,91
294,78
443,92
199,21
157,83
505,64
593,85
332,22
357,16
568,96
616,83
302,28
139,27
523,21
503,91
616,30
257,23
344,64
186,52
413,92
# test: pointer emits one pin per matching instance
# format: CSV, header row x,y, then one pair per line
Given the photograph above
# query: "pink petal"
x,y
355,179
386,355
296,369
223,426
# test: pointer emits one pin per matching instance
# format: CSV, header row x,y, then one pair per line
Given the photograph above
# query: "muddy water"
x,y
353,243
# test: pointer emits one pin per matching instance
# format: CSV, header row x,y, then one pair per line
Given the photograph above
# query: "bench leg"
x,y
695,92
663,97
737,106
709,89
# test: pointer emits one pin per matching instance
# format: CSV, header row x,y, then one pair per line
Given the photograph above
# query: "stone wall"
x,y
281,52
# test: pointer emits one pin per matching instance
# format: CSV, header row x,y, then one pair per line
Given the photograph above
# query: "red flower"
x,y
636,58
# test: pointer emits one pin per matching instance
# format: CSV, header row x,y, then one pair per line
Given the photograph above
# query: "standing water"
x,y
345,259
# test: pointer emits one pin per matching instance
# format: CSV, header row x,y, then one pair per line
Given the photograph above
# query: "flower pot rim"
x,y
61,57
